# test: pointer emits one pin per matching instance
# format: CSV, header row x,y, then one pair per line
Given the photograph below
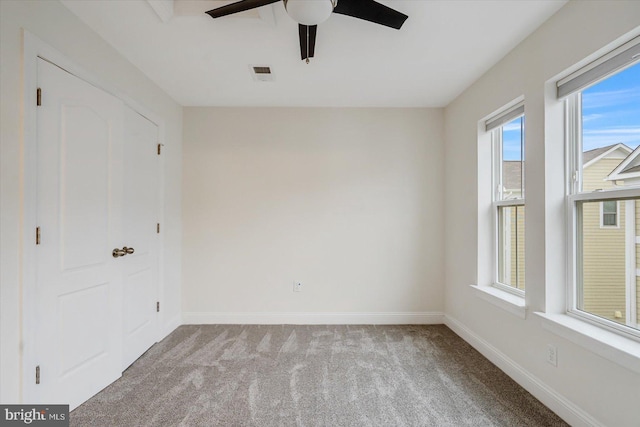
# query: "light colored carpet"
x,y
230,375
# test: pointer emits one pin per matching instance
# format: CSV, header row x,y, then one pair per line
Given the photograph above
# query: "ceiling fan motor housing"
x,y
309,12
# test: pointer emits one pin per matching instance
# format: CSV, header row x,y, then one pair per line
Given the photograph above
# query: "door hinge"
x,y
38,374
158,306
39,97
159,149
158,228
37,235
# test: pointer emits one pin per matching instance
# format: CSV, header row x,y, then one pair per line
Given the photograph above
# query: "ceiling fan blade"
x,y
372,11
239,6
307,40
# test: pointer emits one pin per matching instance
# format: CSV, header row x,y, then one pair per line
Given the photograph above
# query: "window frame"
x,y
574,196
497,193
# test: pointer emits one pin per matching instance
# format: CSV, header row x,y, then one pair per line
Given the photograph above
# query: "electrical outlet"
x,y
297,287
552,354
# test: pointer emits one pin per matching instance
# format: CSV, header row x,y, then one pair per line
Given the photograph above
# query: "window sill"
x,y
505,300
618,349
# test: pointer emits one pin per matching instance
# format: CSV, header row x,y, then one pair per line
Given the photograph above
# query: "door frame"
x,y
34,48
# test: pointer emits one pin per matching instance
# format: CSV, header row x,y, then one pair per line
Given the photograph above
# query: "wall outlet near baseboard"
x,y
552,354
297,287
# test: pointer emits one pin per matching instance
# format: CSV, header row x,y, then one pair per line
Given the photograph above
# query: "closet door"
x,y
141,206
79,211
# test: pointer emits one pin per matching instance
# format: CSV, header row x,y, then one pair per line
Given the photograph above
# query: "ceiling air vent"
x,y
261,73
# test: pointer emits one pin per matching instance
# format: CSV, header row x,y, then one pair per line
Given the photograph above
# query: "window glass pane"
x,y
610,213
513,159
511,242
610,118
609,220
607,279
609,206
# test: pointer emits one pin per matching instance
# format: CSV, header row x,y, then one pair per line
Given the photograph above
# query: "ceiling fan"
x,y
310,13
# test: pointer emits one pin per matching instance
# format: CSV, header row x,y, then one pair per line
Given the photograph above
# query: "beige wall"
x,y
594,390
59,28
347,201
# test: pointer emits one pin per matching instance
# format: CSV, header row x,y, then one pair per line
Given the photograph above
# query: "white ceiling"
x,y
442,48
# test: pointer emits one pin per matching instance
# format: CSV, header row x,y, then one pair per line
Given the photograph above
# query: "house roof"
x,y
592,156
512,169
631,170
512,174
587,156
628,168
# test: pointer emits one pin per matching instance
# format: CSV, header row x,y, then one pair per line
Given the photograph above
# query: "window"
x,y
603,182
507,134
609,214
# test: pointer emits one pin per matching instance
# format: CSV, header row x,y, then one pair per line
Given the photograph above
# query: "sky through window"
x,y
611,111
512,138
610,115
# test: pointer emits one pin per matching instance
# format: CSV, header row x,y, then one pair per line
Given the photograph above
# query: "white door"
x,y
141,172
79,211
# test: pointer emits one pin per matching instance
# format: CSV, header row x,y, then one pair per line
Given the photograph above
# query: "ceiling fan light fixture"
x,y
309,12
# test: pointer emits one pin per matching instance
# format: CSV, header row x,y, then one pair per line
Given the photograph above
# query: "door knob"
x,y
122,252
118,252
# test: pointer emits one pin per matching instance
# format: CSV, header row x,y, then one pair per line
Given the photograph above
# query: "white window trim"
x,y
496,164
617,214
507,301
631,272
509,289
573,136
613,346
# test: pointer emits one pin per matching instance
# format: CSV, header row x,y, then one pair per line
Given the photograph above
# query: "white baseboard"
x,y
402,318
566,409
170,326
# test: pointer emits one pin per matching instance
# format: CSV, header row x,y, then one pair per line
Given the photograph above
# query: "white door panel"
x,y
84,185
79,283
141,168
83,319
